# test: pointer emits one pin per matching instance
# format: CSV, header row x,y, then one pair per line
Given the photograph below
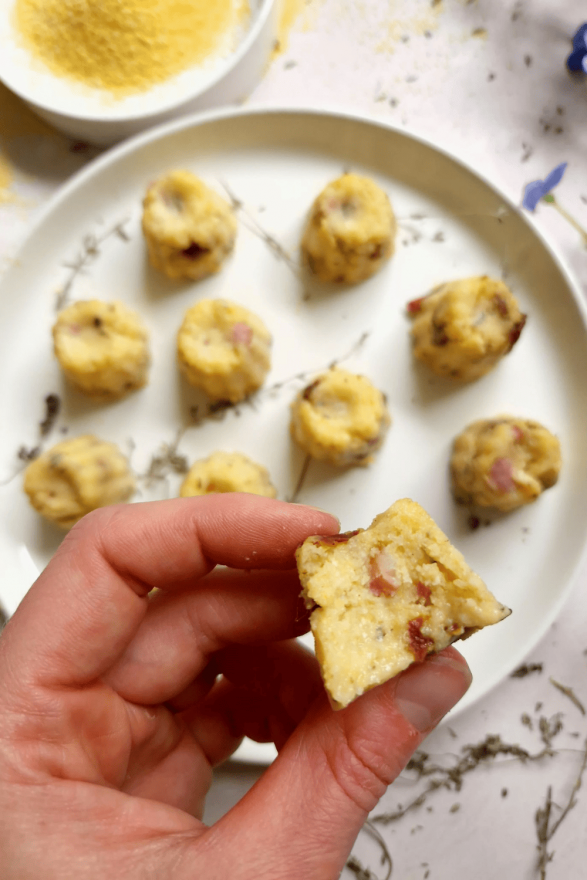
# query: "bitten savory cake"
x,y
340,418
189,229
504,462
224,349
463,328
102,348
350,231
77,476
385,597
227,472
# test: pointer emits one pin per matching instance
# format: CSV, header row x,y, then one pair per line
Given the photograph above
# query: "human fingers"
x,y
87,605
265,692
182,630
302,817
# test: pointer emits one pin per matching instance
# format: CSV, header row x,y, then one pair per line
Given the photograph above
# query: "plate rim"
x,y
257,753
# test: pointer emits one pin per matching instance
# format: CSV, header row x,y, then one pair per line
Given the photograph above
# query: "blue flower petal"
x,y
538,189
555,176
580,38
533,193
576,59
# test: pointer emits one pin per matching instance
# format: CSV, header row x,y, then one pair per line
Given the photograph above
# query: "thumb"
x,y
301,819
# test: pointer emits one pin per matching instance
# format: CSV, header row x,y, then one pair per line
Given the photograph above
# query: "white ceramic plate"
x,y
452,224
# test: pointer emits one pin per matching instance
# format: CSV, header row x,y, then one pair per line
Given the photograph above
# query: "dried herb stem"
x,y
545,831
253,225
569,692
89,251
473,756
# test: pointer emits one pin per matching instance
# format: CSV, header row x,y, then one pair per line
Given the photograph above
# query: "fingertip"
x,y
426,691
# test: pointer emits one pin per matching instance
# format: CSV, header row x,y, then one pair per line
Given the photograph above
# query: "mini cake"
x,y
77,476
340,418
227,472
102,348
504,462
224,349
189,229
385,597
350,231
463,328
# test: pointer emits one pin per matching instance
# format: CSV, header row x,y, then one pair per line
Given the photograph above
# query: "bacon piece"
x,y
516,330
415,305
518,433
501,474
501,305
419,644
382,575
242,333
342,538
424,592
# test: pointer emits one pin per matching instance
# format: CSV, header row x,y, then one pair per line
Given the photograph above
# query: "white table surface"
x,y
488,81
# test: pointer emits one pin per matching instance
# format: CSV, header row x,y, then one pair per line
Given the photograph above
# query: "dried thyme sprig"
x,y
167,460
360,871
526,669
570,693
26,454
88,253
253,225
473,756
301,479
300,377
545,830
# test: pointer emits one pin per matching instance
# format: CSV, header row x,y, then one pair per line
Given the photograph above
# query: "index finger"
x,y
85,608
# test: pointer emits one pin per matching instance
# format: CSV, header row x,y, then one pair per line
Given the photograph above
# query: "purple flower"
x,y
539,189
577,60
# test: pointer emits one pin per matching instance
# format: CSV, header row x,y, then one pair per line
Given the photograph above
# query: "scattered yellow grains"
x,y
6,177
125,46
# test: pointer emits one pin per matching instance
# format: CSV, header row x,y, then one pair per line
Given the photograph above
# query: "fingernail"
x,y
426,692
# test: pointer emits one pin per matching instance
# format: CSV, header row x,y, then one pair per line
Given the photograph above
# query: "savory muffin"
x,y
463,328
224,349
189,229
227,472
102,347
384,597
77,476
504,462
350,232
341,418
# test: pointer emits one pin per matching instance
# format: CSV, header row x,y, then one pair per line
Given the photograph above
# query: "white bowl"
x,y
91,115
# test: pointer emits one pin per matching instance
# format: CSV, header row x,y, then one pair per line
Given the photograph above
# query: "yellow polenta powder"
x,y
125,46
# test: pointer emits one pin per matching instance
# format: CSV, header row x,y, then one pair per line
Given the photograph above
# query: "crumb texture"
x,y
102,347
77,476
341,418
350,232
504,462
227,472
224,349
462,329
189,228
386,597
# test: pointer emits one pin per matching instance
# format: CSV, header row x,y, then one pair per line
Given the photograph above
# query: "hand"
x,y
116,705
